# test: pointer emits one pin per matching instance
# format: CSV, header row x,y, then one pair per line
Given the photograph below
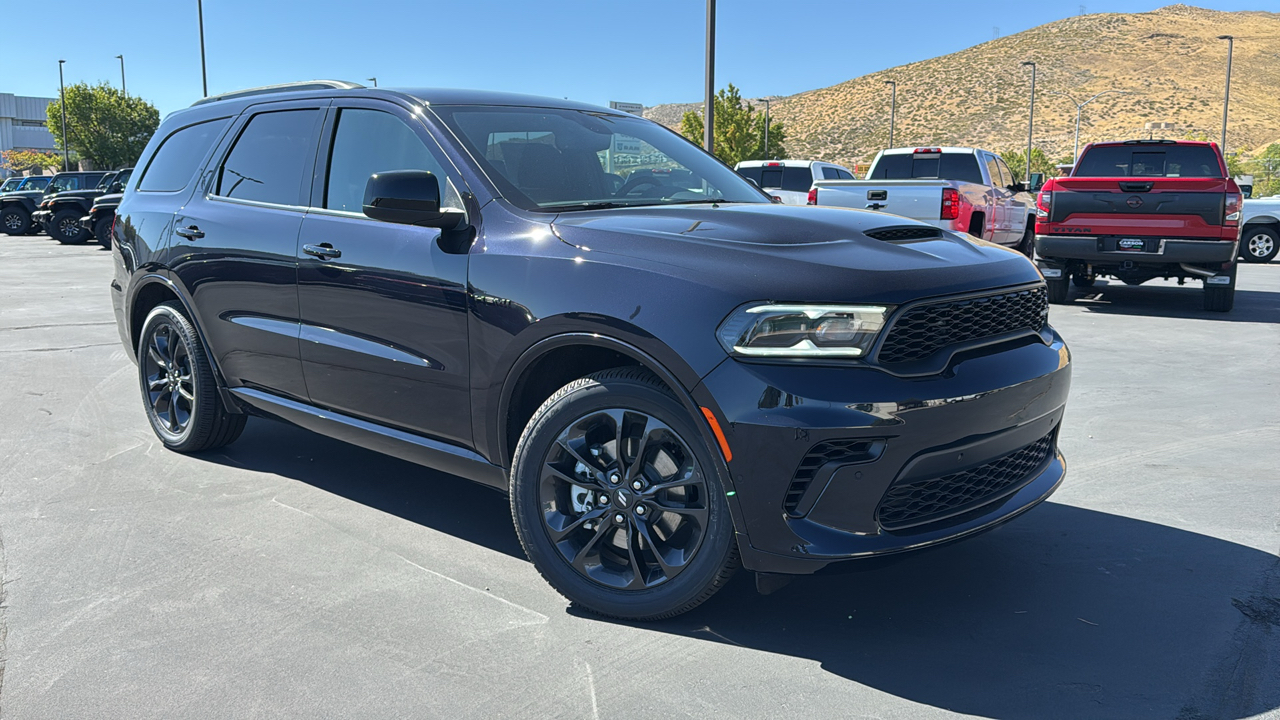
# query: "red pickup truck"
x,y
1138,210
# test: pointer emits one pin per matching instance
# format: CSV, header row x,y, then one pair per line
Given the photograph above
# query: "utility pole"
x,y
893,108
1031,121
123,90
766,127
204,74
708,115
62,101
1226,97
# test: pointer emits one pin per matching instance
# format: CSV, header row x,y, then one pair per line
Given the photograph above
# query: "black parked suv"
x,y
102,213
60,214
669,379
18,208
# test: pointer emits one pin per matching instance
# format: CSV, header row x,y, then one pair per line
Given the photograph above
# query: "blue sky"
x,y
647,51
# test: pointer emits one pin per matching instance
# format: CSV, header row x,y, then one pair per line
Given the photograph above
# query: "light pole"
x,y
123,90
373,80
766,126
1031,121
893,108
204,74
62,101
708,135
1079,108
1226,96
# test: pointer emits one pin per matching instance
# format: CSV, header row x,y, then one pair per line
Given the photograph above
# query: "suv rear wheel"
x,y
1259,244
14,221
178,387
617,500
65,227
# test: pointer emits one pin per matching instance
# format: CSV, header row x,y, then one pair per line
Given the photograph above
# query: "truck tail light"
x,y
1044,203
813,196
1231,209
950,204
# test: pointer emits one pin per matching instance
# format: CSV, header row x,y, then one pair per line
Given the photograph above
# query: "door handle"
x,y
191,232
324,251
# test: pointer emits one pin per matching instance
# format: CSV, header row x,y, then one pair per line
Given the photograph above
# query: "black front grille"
x,y
894,234
842,451
920,501
925,329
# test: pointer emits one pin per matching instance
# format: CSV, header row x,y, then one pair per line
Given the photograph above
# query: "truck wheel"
x,y
1028,245
1059,290
1083,281
1259,244
14,221
65,227
618,501
1220,298
102,232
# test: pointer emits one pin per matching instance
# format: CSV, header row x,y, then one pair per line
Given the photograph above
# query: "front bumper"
x,y
1104,250
40,217
935,433
86,222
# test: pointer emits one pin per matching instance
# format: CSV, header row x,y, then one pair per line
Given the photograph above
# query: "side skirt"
x,y
389,441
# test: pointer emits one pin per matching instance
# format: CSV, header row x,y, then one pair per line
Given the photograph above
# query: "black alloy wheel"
x,y
14,221
179,390
618,501
624,499
65,227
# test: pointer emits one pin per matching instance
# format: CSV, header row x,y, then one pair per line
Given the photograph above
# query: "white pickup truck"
x,y
954,188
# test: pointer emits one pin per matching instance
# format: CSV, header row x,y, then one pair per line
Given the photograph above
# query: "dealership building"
x,y
22,124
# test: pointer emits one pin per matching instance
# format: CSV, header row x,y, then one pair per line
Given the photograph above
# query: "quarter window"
x,y
368,142
267,162
174,163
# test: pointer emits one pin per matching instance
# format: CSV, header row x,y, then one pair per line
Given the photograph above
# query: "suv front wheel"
x,y
14,221
618,502
178,387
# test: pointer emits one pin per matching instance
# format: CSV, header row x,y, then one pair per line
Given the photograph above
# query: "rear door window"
x,y
1191,161
268,160
177,159
830,173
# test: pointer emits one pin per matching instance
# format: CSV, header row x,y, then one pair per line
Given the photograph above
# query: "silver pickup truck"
x,y
963,189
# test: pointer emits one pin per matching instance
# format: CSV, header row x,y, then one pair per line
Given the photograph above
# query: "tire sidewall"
x,y
55,228
534,445
165,314
102,232
22,228
1247,253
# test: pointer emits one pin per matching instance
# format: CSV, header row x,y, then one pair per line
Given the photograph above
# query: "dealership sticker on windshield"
x,y
1131,244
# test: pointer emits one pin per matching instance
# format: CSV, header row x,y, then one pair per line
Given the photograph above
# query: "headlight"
x,y
836,331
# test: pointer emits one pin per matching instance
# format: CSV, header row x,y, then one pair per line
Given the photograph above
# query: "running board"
x,y
389,441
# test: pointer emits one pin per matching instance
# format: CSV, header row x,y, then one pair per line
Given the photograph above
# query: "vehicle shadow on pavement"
x,y
472,512
1063,613
1115,298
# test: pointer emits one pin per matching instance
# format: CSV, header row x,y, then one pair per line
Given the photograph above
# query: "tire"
x,y
169,340
15,221
557,467
1259,243
1220,298
1028,245
1083,281
102,231
65,227
1059,290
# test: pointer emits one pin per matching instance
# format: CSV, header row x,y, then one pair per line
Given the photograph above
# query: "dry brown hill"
x,y
1168,58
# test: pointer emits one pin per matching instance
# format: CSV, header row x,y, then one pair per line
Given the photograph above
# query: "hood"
x,y
108,200
87,193
799,253
33,194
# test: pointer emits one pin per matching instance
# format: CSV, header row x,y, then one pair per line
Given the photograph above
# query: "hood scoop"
x,y
901,233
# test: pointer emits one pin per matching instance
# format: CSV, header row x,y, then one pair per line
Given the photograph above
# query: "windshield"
x,y
11,184
106,181
556,160
62,183
941,166
36,183
1191,161
777,177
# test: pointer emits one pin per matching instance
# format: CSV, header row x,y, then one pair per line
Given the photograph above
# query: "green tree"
x,y
1040,163
103,126
739,129
23,160
1267,164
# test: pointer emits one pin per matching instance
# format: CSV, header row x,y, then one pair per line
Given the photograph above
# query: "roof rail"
x,y
282,87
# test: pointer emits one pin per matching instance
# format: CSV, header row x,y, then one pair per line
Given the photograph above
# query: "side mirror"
x,y
1037,181
115,187
1017,187
408,197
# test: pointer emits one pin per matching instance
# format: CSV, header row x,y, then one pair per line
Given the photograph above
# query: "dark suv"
x,y
669,378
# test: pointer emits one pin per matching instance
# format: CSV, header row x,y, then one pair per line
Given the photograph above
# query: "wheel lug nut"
x,y
640,510
619,518
614,477
603,500
636,485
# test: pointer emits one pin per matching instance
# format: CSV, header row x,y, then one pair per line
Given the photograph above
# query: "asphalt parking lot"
x,y
290,575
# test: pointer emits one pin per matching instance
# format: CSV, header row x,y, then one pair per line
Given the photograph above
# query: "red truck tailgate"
x,y
1182,207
